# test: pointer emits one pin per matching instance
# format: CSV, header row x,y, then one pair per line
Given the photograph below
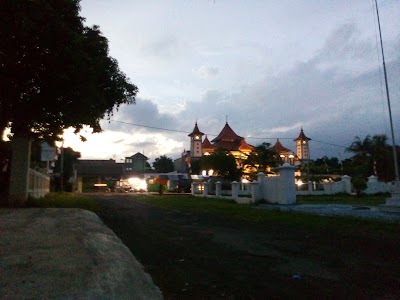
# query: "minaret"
x,y
196,142
302,149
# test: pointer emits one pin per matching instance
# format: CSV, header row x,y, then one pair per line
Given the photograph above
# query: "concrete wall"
x,y
344,186
277,189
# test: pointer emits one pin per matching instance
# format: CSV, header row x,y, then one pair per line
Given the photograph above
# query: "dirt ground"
x,y
198,256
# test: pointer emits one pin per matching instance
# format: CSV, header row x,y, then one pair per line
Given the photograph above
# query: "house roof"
x,y
228,145
226,134
245,146
302,136
98,167
138,156
196,131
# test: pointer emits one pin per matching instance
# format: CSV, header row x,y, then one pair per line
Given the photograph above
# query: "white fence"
x,y
344,186
38,185
281,189
276,189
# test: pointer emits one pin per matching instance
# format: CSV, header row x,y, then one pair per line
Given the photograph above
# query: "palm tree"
x,y
379,150
372,151
361,147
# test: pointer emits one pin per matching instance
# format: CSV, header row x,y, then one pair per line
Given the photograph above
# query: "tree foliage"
x,y
55,72
325,165
163,164
262,158
222,163
372,156
64,168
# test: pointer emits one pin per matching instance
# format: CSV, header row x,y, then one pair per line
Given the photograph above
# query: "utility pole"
x,y
392,204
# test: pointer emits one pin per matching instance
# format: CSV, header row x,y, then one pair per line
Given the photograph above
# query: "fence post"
x,y
346,183
309,187
288,189
218,188
205,188
254,191
235,189
195,186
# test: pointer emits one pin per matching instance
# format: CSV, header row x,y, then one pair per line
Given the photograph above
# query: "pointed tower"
x,y
207,146
196,142
302,149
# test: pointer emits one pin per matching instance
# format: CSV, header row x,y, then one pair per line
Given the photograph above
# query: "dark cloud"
x,y
332,104
325,95
142,117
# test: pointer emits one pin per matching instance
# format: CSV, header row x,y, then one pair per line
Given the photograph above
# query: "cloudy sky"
x,y
268,67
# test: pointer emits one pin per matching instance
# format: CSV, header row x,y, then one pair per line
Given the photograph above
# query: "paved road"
x,y
198,256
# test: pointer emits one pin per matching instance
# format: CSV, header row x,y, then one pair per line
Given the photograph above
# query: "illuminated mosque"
x,y
228,140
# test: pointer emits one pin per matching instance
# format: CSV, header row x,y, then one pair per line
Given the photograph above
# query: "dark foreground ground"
x,y
197,256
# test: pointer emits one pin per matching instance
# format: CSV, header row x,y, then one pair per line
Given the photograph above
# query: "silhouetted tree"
x,y
55,73
262,158
163,164
372,156
325,165
223,163
64,169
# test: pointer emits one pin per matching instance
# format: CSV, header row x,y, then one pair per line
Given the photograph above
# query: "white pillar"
x,y
205,188
235,189
195,186
218,188
288,189
254,191
309,187
347,183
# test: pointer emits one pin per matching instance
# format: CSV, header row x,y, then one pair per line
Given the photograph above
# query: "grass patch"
x,y
247,212
364,200
64,200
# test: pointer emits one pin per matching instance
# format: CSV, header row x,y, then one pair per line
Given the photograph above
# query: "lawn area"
x,y
363,200
64,200
247,212
190,244
231,210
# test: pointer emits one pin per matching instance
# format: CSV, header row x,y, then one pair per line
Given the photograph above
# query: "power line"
x,y
256,138
331,144
152,127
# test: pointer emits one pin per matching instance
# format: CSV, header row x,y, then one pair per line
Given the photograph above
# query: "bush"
x,y
359,184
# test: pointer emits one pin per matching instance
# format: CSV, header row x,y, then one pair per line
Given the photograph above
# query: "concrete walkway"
x,y
356,211
56,253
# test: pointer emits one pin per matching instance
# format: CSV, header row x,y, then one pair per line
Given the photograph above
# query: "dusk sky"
x,y
268,67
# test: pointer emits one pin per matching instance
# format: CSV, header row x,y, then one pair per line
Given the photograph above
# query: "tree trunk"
x,y
20,164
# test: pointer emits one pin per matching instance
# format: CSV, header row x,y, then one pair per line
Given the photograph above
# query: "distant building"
x,y
94,175
228,140
136,165
286,155
302,148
